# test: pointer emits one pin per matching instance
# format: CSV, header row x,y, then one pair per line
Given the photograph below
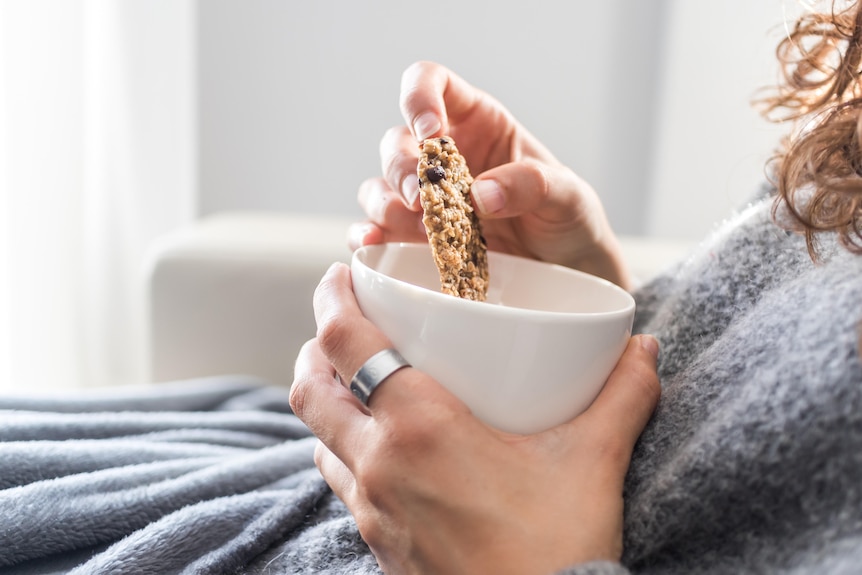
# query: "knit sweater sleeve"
x,y
596,568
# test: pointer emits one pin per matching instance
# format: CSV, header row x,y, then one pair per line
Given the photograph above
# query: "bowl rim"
x,y
482,307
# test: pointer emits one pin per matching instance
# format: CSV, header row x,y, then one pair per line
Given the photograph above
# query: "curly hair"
x,y
818,171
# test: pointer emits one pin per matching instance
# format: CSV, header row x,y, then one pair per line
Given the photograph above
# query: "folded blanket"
x,y
206,476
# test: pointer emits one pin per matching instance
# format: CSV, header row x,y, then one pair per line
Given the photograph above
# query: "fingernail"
x,y
488,196
650,344
426,125
410,188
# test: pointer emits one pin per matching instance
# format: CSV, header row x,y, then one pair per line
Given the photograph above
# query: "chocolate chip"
x,y
443,141
435,173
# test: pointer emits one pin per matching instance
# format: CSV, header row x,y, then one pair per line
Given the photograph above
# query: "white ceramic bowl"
x,y
534,355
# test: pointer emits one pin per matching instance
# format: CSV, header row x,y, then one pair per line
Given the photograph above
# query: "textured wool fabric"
x,y
752,462
198,477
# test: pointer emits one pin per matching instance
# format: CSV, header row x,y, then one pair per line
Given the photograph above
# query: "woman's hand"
x,y
530,204
434,490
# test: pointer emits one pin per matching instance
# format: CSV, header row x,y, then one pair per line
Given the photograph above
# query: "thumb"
x,y
630,395
552,191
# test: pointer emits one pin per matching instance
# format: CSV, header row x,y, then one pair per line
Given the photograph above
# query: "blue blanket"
x,y
206,476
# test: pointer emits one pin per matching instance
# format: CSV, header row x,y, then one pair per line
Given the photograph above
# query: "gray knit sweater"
x,y
752,462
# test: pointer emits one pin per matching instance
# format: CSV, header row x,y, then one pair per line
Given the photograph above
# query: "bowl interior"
x,y
515,282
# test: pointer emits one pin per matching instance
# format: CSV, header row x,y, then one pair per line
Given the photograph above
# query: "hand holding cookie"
x,y
529,203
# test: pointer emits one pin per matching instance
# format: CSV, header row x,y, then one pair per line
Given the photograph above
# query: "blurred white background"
x,y
121,120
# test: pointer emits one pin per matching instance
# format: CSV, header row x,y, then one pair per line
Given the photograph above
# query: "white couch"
x,y
232,293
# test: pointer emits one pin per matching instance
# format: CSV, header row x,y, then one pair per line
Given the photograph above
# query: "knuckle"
x,y
299,388
302,397
332,336
536,173
298,396
410,434
374,483
378,473
400,439
370,529
320,452
613,450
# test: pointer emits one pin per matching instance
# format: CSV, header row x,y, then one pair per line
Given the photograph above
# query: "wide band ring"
x,y
374,371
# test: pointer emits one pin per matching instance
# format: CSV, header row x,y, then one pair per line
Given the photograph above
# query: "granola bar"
x,y
453,228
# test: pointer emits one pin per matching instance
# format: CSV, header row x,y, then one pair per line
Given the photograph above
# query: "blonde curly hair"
x,y
818,171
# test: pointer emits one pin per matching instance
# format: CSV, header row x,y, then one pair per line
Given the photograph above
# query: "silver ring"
x,y
374,371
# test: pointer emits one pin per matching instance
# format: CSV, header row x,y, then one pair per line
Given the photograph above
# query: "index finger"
x,y
399,155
